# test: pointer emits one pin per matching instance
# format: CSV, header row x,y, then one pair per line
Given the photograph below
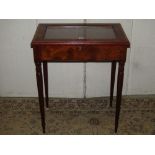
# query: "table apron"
x,y
79,53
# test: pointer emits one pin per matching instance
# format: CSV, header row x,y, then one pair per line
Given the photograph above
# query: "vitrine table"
x,y
79,43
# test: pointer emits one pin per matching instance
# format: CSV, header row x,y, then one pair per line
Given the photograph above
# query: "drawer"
x,y
79,53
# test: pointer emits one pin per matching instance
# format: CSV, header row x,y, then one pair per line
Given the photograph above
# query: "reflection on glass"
x,y
79,32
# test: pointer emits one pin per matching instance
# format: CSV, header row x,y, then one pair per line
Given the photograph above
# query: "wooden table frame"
x,y
63,50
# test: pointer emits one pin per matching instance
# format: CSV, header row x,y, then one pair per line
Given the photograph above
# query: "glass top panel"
x,y
79,32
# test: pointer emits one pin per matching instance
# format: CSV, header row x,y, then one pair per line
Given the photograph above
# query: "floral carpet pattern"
x,y
65,116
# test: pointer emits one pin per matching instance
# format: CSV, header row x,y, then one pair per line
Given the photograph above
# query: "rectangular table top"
x,y
98,33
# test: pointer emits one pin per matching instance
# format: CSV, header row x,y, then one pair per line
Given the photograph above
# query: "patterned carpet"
x,y
77,116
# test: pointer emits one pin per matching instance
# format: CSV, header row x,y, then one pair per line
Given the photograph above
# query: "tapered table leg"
x,y
119,92
40,93
113,70
45,70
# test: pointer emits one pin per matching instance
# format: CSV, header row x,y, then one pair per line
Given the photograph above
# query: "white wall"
x,y
17,70
17,77
142,65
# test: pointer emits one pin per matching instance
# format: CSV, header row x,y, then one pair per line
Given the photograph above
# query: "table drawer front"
x,y
79,53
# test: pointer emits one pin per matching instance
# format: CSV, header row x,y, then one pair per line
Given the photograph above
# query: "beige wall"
x,y
17,71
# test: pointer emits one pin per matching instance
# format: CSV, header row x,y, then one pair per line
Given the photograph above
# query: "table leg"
x,y
113,70
40,93
119,92
45,70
